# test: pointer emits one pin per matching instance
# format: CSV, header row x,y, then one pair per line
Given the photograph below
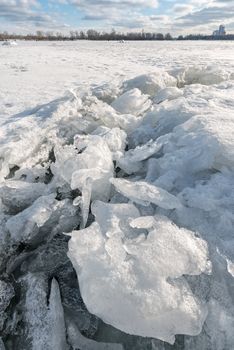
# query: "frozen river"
x,y
33,73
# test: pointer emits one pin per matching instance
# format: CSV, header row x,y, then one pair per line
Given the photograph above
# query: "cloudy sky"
x,y
175,16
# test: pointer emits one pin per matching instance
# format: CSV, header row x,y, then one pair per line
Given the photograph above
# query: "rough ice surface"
x,y
179,164
6,294
139,172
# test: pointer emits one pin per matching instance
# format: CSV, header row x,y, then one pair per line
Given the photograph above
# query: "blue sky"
x,y
174,16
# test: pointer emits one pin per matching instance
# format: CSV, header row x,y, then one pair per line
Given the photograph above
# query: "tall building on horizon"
x,y
220,32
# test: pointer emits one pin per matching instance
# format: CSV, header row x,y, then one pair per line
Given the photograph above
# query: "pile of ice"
x,y
141,174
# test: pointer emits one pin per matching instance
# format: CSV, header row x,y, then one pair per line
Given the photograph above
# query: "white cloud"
x,y
182,8
179,18
114,10
25,15
113,3
214,14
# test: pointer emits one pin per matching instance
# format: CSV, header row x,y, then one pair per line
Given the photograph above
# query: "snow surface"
x,y
34,73
138,169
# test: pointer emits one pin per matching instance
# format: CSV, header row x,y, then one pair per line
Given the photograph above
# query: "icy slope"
x,y
141,175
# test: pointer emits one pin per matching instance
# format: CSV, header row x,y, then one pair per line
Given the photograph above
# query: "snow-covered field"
x,y
128,148
33,73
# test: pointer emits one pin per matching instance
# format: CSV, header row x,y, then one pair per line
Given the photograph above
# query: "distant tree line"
x,y
206,37
92,34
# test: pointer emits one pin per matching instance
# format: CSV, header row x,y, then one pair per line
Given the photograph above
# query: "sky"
x,y
174,16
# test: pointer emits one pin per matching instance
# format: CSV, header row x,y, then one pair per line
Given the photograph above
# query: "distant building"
x,y
220,32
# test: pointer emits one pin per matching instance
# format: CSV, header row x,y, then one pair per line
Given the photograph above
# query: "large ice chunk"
x,y
106,92
206,75
144,193
131,161
150,84
57,330
138,280
115,139
18,195
95,170
44,218
169,93
132,102
23,143
95,162
65,165
44,326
